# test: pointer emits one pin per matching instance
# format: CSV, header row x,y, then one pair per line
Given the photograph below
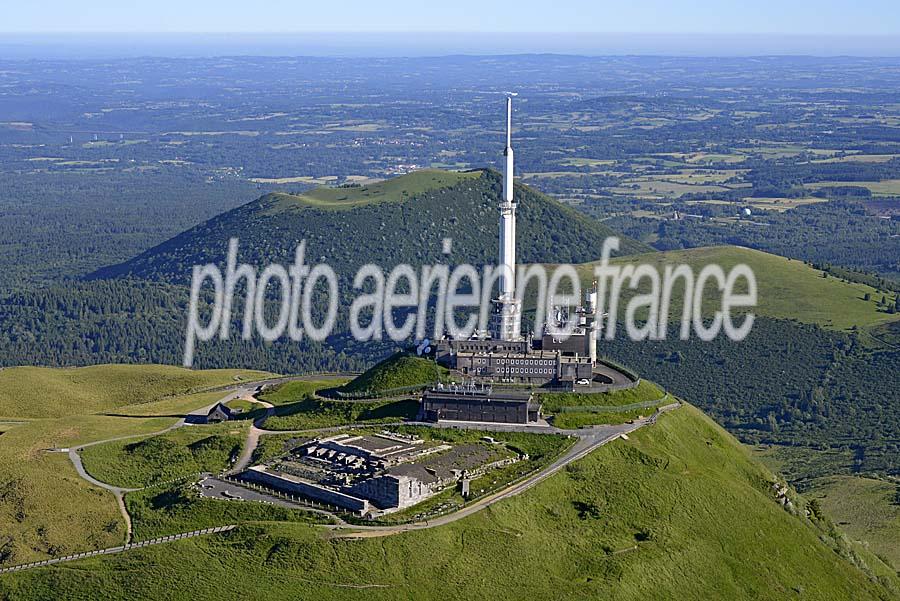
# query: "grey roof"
x,y
499,396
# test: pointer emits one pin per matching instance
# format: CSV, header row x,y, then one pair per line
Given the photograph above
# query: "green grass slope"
x,y
183,452
573,410
46,509
38,392
318,413
787,289
397,371
868,510
297,390
679,511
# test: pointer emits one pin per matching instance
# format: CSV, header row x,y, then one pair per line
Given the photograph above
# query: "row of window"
x,y
482,361
527,370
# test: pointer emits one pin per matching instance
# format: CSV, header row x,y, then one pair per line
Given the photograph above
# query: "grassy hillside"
x,y
787,289
643,392
678,511
183,452
407,230
868,510
317,413
573,410
38,392
297,390
45,508
397,371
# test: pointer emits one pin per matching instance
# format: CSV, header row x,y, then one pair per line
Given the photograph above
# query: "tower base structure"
x,y
506,319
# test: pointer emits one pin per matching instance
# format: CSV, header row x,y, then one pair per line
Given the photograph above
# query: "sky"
x,y
810,17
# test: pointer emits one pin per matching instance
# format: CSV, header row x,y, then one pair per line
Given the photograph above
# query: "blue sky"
x,y
811,17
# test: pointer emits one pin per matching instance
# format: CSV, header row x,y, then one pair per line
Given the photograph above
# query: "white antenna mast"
x,y
509,122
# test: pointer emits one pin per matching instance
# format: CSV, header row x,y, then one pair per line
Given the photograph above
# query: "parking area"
x,y
214,488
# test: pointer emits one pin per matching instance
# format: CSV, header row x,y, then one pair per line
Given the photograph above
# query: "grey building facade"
x,y
503,407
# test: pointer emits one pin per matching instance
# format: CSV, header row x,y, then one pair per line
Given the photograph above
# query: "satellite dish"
x,y
424,347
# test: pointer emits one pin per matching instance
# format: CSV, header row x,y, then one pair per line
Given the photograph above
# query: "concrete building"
x,y
375,473
502,355
468,403
391,491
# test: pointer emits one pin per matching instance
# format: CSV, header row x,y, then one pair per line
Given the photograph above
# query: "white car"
x,y
583,382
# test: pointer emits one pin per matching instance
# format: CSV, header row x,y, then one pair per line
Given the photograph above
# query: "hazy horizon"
x,y
394,44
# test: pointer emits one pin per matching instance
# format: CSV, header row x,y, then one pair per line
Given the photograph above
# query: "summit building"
x,y
502,355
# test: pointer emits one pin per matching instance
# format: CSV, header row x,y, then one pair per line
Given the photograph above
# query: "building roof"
x,y
540,354
223,408
502,396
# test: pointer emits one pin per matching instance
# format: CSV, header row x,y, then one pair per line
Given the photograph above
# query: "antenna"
x,y
509,97
508,121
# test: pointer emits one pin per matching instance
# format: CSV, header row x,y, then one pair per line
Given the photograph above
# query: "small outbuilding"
x,y
220,413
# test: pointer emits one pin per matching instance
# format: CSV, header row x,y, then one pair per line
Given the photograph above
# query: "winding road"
x,y
588,439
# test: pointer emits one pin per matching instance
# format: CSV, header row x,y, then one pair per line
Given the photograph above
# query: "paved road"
x,y
589,439
618,378
117,491
236,391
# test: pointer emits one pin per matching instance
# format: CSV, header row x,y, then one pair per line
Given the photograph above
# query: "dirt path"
x,y
253,435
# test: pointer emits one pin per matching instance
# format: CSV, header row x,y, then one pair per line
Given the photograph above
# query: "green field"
x,y
180,453
46,509
644,391
888,187
245,407
572,410
678,511
39,392
571,420
787,289
312,413
161,511
297,390
868,510
396,189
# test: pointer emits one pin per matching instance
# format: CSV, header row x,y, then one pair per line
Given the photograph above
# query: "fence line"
x,y
111,550
366,394
610,408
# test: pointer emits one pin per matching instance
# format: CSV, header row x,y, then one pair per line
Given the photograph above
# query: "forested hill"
x,y
403,220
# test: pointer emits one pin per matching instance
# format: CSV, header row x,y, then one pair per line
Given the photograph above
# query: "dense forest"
x,y
387,233
787,384
63,225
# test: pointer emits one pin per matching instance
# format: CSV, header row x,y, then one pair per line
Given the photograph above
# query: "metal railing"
x,y
111,550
